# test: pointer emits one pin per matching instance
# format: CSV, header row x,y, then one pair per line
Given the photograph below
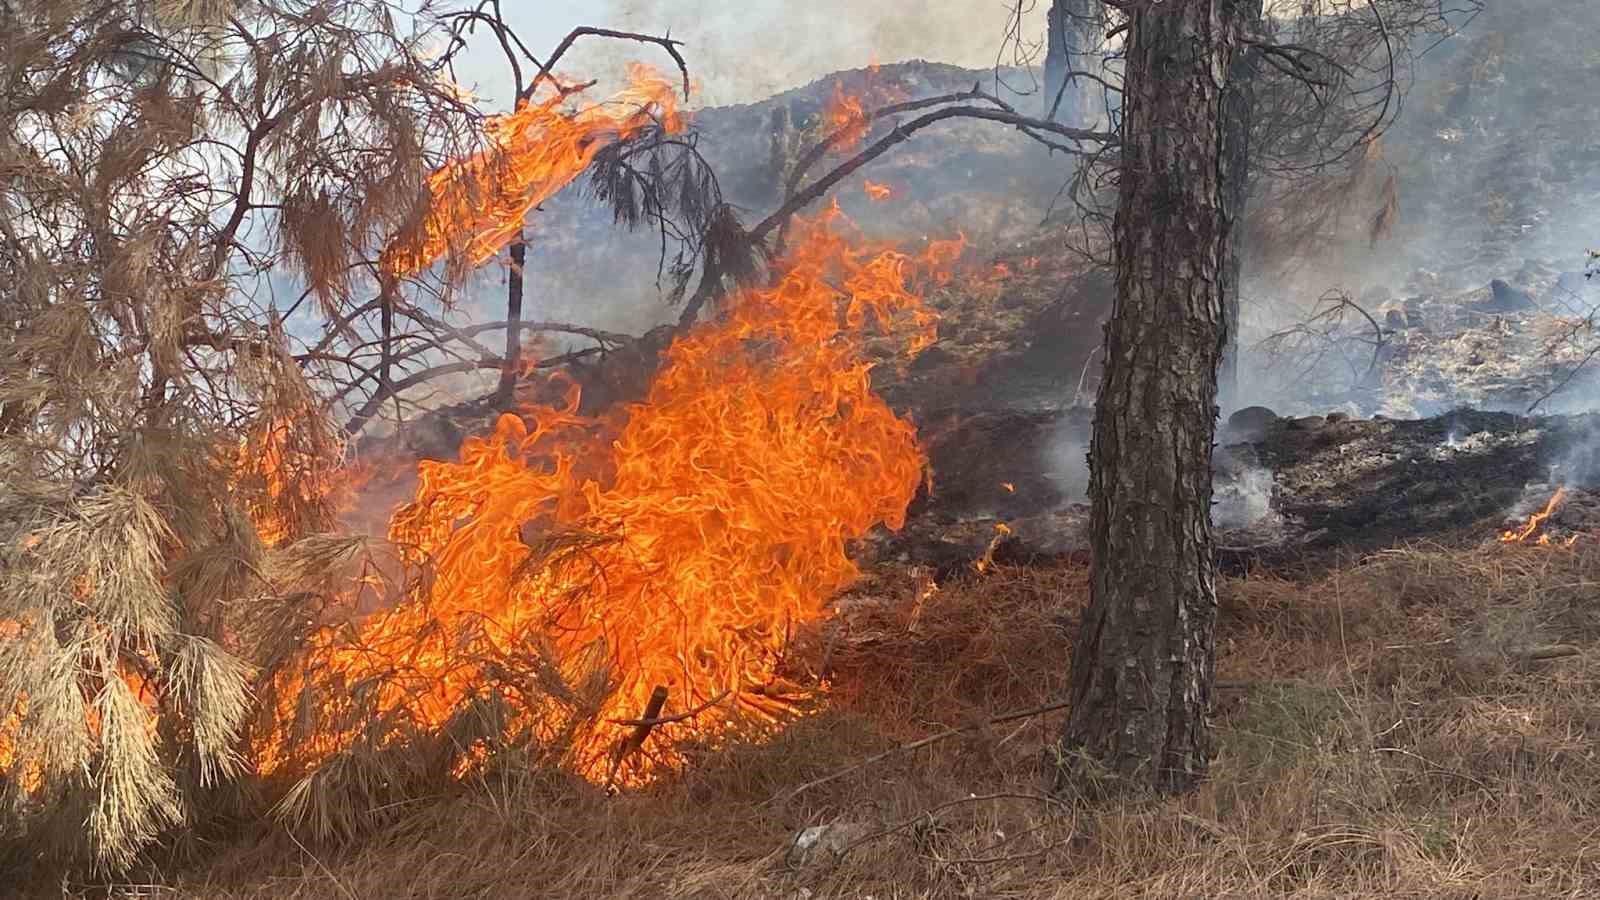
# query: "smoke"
x,y
1579,465
1243,500
1066,459
1241,493
744,52
748,51
1495,180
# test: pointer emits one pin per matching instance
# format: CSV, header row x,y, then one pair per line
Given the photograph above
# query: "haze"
x,y
748,51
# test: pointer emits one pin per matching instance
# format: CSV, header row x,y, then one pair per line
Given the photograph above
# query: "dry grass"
x,y
1382,734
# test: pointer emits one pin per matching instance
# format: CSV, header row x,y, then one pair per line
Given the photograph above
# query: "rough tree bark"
x,y
1238,114
1144,664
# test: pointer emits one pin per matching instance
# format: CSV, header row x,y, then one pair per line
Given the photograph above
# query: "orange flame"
x,y
292,485
1001,532
478,204
1536,521
29,776
877,192
714,521
844,114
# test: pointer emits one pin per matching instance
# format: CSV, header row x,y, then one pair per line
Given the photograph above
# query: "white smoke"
x,y
1066,459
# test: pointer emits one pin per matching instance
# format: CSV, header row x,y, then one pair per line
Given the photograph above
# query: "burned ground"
x,y
1308,492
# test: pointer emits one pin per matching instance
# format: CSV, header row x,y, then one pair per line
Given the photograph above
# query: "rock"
x,y
932,358
822,843
1250,424
1306,423
1395,319
1505,298
1336,417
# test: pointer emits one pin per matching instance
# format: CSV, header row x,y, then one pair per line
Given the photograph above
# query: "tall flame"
x,y
478,204
684,548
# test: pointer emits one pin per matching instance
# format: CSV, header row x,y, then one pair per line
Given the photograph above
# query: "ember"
x,y
679,543
876,191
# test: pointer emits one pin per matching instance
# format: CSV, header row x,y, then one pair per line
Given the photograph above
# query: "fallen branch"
x,y
919,744
635,741
649,723
1547,652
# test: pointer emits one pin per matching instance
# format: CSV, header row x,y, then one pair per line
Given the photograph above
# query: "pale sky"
x,y
746,51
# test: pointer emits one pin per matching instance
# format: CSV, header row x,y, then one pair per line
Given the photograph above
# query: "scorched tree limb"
x,y
901,132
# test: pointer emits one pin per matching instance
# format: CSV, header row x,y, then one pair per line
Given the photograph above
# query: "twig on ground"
x,y
917,745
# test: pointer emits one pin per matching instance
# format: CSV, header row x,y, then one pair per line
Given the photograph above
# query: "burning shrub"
x,y
575,568
136,348
121,700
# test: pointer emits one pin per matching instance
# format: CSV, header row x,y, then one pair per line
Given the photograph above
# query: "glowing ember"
x,y
714,521
478,204
877,192
1536,521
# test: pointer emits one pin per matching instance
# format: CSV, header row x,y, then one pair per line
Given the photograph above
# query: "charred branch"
x,y
904,131
665,43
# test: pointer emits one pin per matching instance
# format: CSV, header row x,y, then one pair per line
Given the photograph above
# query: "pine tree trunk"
x,y
1144,663
1071,40
1238,113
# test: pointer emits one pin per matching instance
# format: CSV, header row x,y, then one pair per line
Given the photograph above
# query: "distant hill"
x,y
980,178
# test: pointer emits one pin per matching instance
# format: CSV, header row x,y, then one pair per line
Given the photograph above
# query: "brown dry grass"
x,y
1381,734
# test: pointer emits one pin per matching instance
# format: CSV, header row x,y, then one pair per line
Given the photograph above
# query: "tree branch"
x,y
903,132
666,43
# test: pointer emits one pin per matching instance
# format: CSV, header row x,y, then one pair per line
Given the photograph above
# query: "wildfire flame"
x,y
478,204
1536,521
845,115
877,192
292,484
683,548
1001,532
